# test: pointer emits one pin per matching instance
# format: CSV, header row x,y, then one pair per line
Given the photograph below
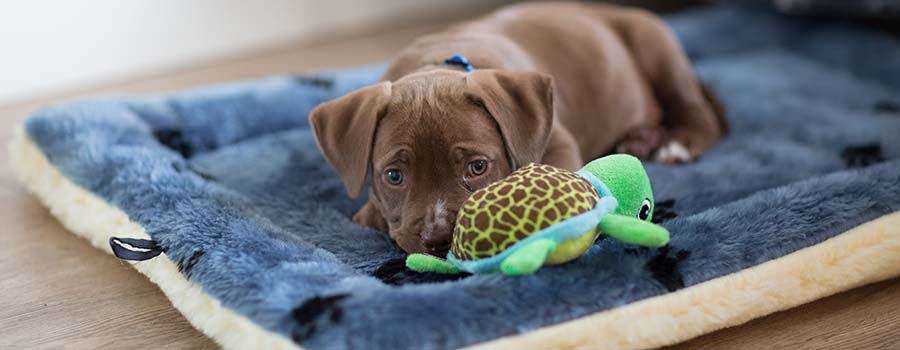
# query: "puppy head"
x,y
430,140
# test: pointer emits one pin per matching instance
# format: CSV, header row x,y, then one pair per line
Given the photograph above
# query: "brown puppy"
x,y
557,83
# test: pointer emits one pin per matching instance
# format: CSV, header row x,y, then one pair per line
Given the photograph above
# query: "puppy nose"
x,y
438,229
437,240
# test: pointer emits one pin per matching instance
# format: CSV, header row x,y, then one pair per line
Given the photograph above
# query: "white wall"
x,y
50,46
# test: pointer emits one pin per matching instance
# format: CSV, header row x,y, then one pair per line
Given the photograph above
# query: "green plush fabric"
x,y
428,263
529,258
632,230
626,178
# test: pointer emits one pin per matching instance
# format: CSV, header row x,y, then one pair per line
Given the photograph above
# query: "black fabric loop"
x,y
134,249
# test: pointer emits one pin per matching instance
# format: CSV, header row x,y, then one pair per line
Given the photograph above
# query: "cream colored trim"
x,y
865,254
90,217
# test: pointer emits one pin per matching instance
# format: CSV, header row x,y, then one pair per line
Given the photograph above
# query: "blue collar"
x,y
459,60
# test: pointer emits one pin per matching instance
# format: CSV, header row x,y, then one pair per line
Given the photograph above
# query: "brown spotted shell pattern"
x,y
507,211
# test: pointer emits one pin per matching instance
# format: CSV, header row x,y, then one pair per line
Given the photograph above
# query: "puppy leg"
x,y
689,113
642,141
562,151
371,217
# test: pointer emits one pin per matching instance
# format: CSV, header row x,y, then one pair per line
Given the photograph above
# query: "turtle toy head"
x,y
626,179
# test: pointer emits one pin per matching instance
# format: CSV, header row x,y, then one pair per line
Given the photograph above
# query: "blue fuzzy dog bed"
x,y
798,202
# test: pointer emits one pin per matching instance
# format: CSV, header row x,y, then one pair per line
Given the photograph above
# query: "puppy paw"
x,y
673,152
641,142
370,217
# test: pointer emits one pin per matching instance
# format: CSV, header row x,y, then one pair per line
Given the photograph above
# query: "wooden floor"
x,y
56,291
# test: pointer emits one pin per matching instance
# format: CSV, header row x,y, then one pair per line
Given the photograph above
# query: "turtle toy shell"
x,y
530,199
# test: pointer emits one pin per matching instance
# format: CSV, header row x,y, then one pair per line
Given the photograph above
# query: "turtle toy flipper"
x,y
529,258
541,215
634,231
428,263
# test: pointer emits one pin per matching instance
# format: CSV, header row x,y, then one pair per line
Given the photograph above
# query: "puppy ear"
x,y
522,105
345,131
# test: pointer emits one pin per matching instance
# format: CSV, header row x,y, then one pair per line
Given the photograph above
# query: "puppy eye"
x,y
478,167
393,177
644,213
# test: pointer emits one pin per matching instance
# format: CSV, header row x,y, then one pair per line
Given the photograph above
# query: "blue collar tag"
x,y
459,60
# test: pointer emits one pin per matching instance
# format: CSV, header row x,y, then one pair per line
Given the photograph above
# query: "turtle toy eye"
x,y
644,213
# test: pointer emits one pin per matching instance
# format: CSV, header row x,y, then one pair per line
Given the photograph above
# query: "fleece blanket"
x,y
258,250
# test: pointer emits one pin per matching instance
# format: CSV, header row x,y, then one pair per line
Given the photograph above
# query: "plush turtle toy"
x,y
542,215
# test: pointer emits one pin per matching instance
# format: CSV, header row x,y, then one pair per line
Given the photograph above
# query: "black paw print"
x,y
665,211
308,313
886,106
862,155
664,267
174,140
318,82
